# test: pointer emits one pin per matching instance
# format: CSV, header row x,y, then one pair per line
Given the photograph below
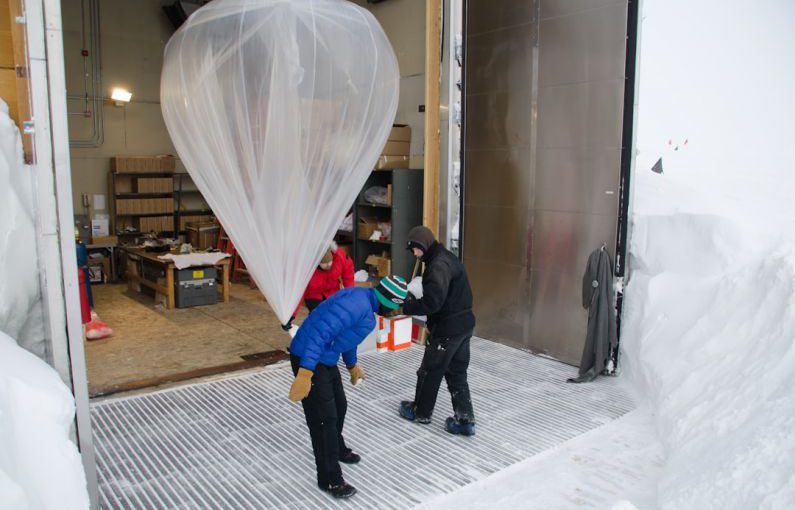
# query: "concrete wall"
x,y
133,37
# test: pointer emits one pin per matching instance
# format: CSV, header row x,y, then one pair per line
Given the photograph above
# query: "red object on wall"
x,y
84,308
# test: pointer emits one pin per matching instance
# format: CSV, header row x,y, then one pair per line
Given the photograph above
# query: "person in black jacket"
x,y
447,301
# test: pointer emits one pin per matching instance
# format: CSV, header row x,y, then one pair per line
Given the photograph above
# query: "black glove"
x,y
287,327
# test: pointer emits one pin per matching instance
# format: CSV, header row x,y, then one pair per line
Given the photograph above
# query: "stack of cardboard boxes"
x,y
155,184
145,206
397,149
156,224
143,164
141,212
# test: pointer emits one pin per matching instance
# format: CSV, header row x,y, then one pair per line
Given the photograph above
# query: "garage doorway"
x,y
544,115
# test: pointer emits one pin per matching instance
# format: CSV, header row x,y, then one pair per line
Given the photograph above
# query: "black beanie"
x,y
420,237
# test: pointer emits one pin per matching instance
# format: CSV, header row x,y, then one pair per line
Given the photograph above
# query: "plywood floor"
x,y
151,343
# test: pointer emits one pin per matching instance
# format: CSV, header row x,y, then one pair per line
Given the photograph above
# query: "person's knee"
x,y
325,420
455,384
324,412
456,378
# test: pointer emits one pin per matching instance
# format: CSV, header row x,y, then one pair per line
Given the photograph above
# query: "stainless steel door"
x,y
544,101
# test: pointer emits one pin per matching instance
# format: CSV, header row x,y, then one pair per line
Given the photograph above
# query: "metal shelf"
x,y
131,194
141,215
375,206
379,242
197,212
404,213
145,174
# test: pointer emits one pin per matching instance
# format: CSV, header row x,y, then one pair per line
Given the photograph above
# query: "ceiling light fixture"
x,y
120,97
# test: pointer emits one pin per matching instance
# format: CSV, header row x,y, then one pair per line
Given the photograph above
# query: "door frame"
x,y
54,214
628,140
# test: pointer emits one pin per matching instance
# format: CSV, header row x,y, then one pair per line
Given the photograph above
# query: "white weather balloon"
x,y
279,110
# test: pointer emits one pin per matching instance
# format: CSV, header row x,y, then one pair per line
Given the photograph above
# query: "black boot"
x,y
407,411
463,428
350,458
341,491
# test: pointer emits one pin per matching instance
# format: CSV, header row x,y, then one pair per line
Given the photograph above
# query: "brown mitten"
x,y
302,384
357,374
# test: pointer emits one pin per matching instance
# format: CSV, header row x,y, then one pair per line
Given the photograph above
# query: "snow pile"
x,y
20,299
40,467
709,318
710,343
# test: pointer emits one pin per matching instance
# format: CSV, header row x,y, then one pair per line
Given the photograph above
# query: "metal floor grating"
x,y
239,443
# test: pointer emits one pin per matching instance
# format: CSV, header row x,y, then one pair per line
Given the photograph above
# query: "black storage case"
x,y
195,286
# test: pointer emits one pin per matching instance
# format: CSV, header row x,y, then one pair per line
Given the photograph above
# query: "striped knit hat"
x,y
392,291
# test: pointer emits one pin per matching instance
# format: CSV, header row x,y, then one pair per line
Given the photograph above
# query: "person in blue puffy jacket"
x,y
336,327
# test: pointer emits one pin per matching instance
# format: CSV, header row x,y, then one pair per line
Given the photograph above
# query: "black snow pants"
x,y
446,357
325,409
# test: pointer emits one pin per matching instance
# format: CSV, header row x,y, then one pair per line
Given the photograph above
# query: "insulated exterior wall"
x,y
544,102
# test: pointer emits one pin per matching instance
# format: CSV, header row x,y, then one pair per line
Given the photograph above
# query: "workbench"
x,y
135,275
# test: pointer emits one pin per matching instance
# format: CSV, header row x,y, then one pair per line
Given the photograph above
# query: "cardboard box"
x,y
391,162
95,274
400,133
396,149
419,332
143,164
203,235
382,264
366,227
155,185
105,240
98,269
394,333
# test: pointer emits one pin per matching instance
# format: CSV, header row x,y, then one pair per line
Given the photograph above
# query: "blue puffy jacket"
x,y
336,327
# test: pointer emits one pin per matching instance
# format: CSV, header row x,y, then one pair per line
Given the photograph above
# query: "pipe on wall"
x,y
93,100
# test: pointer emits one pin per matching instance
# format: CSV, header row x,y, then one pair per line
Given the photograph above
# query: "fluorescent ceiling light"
x,y
120,96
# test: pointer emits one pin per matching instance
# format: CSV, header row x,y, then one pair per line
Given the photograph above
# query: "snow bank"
x,y
40,468
709,320
712,352
20,298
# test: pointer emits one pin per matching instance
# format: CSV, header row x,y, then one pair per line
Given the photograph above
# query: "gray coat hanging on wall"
x,y
597,298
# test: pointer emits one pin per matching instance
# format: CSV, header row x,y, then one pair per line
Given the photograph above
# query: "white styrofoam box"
x,y
400,337
394,333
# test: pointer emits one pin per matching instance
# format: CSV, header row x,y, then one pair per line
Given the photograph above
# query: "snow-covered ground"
x,y
601,469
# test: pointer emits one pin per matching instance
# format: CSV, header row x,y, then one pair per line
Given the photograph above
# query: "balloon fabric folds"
x,y
279,110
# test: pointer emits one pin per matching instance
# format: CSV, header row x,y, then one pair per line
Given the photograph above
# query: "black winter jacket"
x,y
446,294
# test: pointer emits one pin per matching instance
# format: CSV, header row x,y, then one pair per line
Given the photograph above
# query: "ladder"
x,y
239,270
